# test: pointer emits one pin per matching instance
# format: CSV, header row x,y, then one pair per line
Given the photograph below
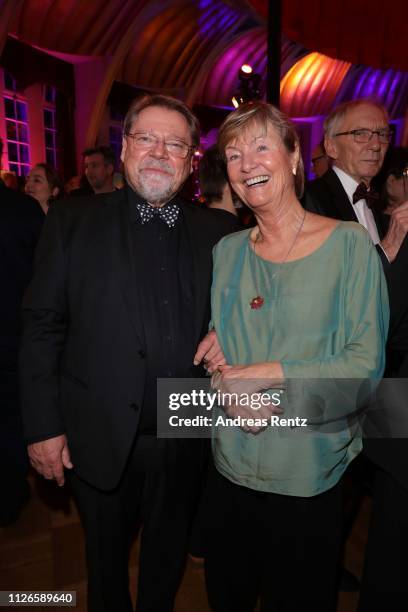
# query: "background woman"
x,y
299,296
43,184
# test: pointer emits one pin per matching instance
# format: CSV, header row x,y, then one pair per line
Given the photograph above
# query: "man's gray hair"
x,y
168,103
334,120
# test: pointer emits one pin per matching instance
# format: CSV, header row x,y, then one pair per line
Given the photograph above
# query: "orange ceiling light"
x,y
309,88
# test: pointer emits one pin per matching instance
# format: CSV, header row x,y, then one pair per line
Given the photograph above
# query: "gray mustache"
x,y
156,166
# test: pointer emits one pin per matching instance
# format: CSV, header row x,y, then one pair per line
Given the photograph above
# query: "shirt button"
x,y
162,269
165,302
168,338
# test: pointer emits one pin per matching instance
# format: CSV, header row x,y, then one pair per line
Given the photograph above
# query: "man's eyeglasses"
x,y
365,135
146,141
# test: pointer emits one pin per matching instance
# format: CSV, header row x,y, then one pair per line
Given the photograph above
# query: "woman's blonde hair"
x,y
263,114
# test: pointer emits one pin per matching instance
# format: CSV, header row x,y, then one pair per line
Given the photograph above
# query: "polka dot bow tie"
x,y
168,213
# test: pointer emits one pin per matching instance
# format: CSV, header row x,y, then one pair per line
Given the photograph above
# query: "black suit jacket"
x,y
21,220
326,196
83,352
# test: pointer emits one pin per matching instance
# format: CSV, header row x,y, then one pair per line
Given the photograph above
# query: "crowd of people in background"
x,y
45,185
99,175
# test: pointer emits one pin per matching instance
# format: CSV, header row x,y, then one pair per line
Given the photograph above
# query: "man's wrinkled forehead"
x,y
364,116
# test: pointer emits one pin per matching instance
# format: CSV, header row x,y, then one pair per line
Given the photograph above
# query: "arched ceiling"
x,y
370,32
170,51
197,46
389,86
310,87
219,83
8,11
83,27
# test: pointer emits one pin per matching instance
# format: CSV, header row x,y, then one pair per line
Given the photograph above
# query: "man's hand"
x,y
397,231
210,351
249,380
50,457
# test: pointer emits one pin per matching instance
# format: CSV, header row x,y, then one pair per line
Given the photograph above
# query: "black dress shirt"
x,y
164,277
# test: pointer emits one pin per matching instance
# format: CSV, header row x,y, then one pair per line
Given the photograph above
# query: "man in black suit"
x,y
21,221
119,298
357,135
356,138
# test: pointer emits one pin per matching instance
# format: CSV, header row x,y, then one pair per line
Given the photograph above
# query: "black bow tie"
x,y
363,193
168,213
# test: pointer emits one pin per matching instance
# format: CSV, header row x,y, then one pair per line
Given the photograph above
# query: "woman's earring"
x,y
294,171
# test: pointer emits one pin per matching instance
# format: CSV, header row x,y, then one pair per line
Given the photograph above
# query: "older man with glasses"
x,y
120,298
357,136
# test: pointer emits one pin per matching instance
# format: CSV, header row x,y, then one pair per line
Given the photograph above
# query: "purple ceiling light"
x,y
389,86
249,48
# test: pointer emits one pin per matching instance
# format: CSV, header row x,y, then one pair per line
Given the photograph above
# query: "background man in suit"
x,y
356,138
21,221
99,167
120,297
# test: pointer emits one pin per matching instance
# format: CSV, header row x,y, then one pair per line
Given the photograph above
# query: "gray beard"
x,y
156,195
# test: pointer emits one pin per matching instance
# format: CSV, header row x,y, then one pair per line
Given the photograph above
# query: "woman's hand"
x,y
249,383
210,351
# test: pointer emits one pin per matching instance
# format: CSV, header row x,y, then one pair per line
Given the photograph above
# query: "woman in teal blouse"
x,y
298,302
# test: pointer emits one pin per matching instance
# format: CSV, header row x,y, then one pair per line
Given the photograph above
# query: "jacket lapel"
x,y
200,251
339,197
381,222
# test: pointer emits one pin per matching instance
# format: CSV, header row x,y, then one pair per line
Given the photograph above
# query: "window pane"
x,y
12,151
21,110
24,154
9,82
11,130
48,118
51,157
49,139
24,170
9,108
22,132
14,168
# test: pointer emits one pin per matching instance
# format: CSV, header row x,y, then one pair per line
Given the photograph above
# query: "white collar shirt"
x,y
363,213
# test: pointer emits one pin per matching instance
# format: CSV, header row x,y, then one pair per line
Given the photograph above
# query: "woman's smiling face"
x,y
259,166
